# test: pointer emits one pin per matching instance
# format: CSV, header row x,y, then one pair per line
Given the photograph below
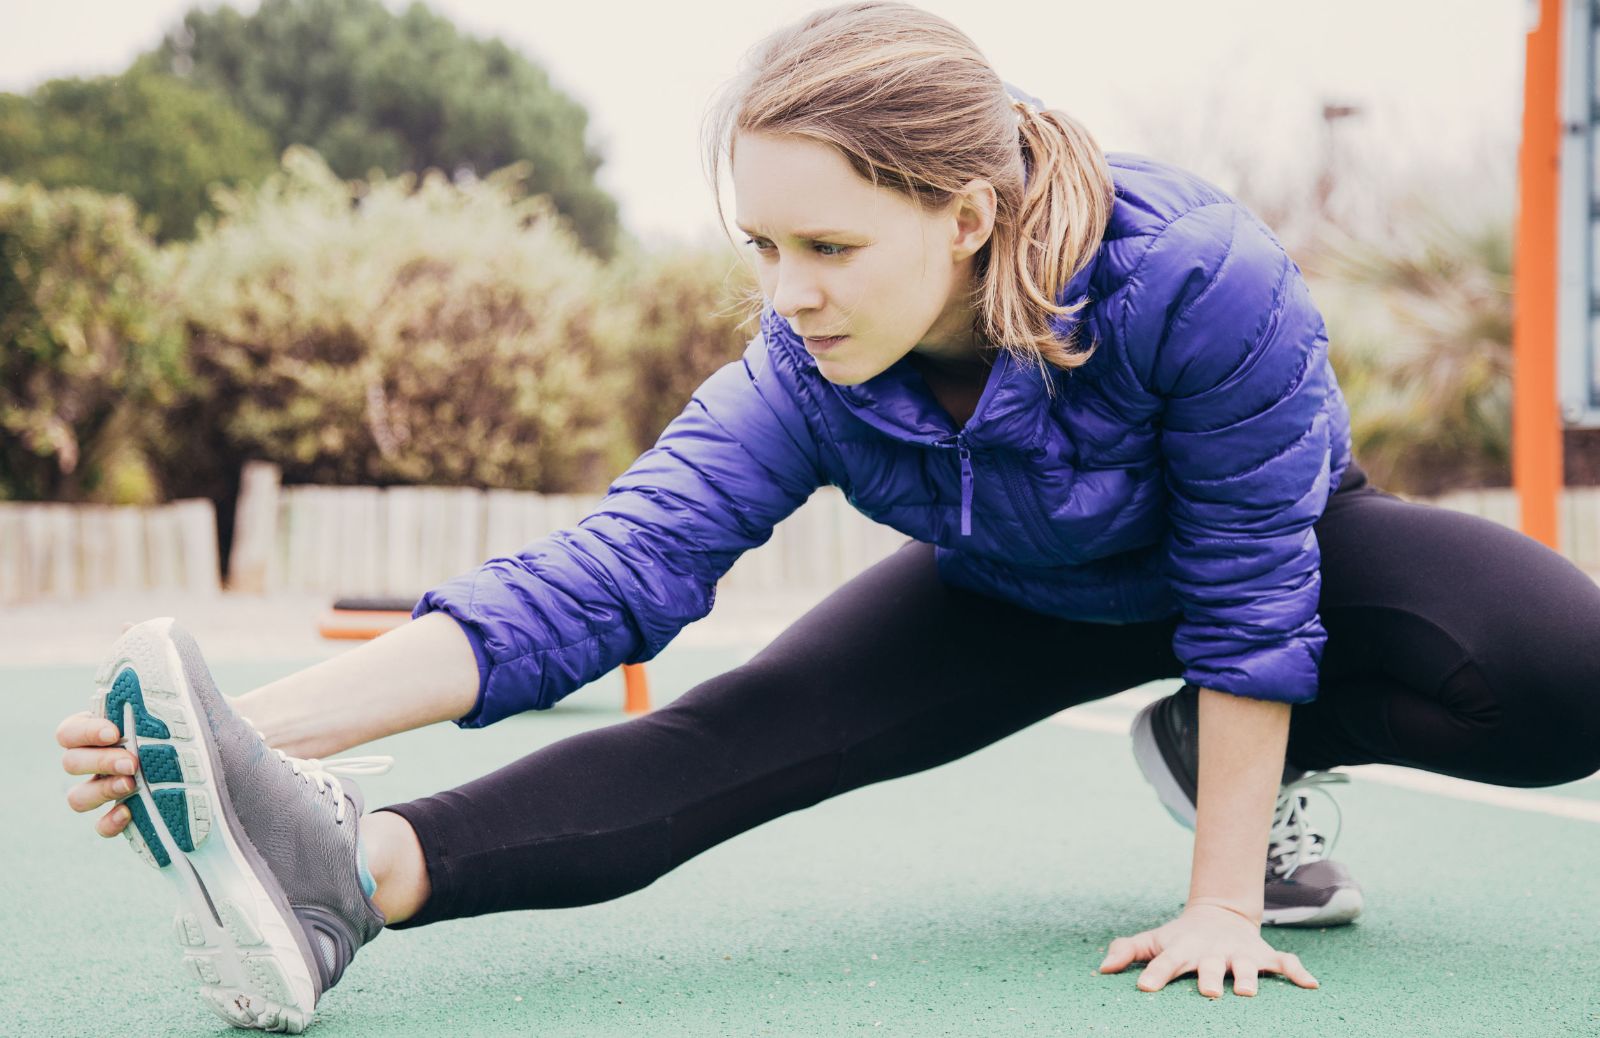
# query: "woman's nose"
x,y
793,293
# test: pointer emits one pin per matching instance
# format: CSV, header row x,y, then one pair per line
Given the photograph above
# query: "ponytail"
x,y
1037,247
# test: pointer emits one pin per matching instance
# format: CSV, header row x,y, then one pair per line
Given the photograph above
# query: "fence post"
x,y
197,544
255,527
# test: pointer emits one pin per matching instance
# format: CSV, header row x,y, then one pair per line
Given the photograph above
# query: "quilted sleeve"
x,y
1221,327
620,585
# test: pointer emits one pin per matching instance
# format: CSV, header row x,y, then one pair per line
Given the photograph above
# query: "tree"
x,y
161,142
368,89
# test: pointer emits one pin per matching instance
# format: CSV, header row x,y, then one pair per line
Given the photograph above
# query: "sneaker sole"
x,y
239,937
1153,766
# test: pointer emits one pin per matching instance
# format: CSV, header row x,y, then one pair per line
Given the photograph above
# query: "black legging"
x,y
1454,645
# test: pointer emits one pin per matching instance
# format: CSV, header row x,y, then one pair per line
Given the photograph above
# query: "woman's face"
x,y
838,257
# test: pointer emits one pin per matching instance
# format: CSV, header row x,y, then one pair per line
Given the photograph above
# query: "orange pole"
x,y
636,689
1535,416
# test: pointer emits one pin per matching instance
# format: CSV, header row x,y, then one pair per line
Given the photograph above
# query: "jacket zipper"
x,y
966,489
1017,493
959,442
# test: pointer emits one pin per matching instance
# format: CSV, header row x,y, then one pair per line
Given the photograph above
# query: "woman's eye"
x,y
764,246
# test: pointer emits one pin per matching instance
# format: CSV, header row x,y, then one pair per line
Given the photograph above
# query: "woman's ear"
x,y
974,211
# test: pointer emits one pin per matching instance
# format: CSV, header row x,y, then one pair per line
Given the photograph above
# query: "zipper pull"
x,y
966,488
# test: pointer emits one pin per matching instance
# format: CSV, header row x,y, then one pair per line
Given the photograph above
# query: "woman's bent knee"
x,y
1532,730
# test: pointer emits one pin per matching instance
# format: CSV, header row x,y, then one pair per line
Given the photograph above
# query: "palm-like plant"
x,y
1419,322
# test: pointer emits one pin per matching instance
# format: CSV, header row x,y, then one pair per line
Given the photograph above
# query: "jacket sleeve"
x,y
1221,327
618,587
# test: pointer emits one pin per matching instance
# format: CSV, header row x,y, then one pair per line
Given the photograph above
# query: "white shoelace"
x,y
324,773
1294,842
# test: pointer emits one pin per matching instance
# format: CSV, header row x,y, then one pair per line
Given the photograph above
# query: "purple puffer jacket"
x,y
1177,473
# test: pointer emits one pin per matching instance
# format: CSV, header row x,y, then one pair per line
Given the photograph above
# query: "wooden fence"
x,y
402,540
63,551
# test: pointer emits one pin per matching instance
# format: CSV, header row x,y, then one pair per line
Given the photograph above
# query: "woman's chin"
x,y
839,375
844,373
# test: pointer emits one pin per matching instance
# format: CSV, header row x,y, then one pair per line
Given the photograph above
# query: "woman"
x,y
1095,392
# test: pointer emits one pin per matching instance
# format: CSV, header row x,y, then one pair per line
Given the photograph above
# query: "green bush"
x,y
1419,323
393,332
675,316
88,352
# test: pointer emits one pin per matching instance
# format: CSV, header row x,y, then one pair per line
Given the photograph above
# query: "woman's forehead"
x,y
787,186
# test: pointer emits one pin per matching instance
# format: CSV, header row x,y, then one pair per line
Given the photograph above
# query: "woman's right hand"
x,y
93,748
91,751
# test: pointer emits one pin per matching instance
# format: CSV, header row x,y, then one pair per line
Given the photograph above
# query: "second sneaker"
x,y
1303,886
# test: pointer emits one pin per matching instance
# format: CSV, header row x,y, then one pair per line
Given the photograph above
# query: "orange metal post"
x,y
636,689
1535,417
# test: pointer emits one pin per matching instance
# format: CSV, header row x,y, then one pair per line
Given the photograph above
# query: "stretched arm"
x,y
418,674
520,632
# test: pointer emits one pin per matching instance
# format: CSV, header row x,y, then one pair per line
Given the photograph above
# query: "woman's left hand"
x,y
1209,940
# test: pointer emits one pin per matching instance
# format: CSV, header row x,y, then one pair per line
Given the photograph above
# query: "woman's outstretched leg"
x,y
892,674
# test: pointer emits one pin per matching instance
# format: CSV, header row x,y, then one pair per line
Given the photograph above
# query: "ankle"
x,y
394,858
369,885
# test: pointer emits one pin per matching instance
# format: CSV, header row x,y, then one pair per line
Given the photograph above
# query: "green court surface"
x,y
975,899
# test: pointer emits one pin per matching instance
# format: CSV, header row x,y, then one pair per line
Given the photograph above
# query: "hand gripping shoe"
x,y
261,846
1303,887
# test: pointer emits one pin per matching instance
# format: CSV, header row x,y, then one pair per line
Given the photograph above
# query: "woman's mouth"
x,y
823,345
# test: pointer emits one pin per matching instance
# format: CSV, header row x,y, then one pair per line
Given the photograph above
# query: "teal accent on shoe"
x,y
174,807
126,690
147,829
160,764
369,886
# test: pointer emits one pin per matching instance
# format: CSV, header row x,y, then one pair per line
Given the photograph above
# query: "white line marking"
x,y
1089,721
1479,792
1116,723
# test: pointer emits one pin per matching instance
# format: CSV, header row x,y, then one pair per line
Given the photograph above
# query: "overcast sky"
x,y
1436,79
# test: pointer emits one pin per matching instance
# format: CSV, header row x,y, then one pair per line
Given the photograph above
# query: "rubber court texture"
x,y
974,899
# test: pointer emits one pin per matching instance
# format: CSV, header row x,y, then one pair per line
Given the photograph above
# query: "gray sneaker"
x,y
261,846
1303,887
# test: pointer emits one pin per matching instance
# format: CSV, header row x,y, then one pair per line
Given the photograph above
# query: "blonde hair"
x,y
911,104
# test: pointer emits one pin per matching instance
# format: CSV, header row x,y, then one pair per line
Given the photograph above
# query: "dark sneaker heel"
x,y
1163,773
